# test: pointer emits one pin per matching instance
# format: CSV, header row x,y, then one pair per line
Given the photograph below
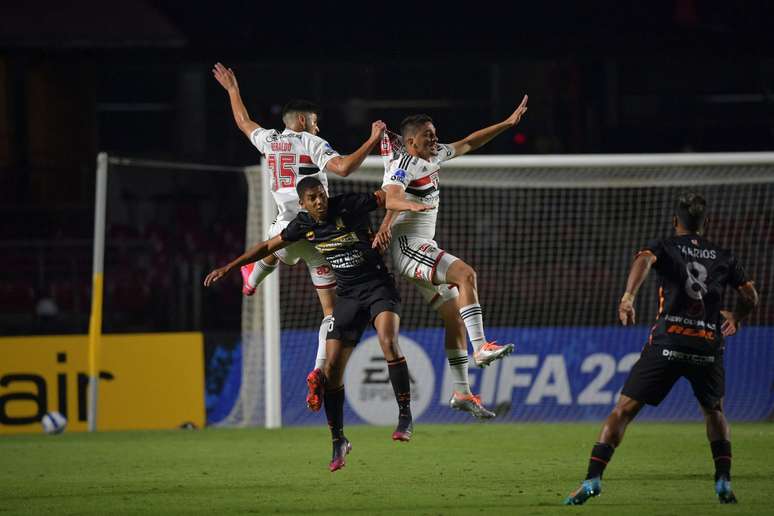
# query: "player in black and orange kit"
x,y
686,341
339,228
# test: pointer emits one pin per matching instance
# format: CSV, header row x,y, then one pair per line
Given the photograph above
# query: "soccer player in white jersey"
x,y
445,281
293,154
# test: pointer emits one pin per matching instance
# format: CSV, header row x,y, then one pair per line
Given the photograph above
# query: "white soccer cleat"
x,y
470,403
490,352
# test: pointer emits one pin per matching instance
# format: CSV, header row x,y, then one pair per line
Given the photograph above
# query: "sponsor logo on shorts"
x,y
418,273
427,248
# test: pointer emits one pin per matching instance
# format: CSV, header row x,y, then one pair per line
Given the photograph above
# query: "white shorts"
x,y
319,269
422,262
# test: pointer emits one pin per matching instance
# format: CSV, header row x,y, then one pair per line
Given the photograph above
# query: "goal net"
x,y
551,240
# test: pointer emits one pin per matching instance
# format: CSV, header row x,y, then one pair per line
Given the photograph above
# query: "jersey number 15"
x,y
284,175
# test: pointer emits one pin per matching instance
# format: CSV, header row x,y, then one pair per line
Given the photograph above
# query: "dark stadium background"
x,y
133,78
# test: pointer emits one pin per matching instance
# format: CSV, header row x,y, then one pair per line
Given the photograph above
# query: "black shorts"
x,y
658,368
358,307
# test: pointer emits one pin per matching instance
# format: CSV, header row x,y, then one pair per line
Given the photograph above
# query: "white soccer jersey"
x,y
419,178
292,156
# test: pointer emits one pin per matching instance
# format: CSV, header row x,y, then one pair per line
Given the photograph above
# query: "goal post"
x,y
258,401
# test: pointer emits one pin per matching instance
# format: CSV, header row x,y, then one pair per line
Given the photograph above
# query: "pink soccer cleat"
x,y
341,448
246,270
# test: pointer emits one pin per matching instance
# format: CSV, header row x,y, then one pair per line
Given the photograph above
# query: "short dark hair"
x,y
305,184
300,106
690,210
411,124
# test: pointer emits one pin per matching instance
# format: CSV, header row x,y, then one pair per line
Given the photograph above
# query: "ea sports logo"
x,y
367,381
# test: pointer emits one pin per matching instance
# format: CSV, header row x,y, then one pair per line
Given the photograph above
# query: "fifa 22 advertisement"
x,y
554,374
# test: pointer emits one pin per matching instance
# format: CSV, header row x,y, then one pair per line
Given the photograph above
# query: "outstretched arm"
x,y
345,165
227,79
748,300
637,274
396,200
483,136
253,254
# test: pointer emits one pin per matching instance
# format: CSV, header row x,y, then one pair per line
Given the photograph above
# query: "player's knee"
x,y
468,276
333,372
713,410
625,412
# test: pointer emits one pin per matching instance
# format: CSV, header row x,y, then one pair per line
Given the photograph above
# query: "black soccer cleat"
x,y
404,430
341,448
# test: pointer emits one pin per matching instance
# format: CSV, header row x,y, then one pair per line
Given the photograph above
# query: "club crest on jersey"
x,y
399,175
339,223
695,242
310,235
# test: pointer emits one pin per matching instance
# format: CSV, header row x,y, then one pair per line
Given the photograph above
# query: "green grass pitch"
x,y
661,469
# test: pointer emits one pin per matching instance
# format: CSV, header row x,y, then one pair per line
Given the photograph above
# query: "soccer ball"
x,y
53,423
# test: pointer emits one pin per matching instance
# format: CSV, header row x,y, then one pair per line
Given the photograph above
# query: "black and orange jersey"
x,y
344,239
693,274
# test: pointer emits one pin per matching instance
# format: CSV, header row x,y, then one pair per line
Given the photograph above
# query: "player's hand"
x,y
730,325
626,310
215,275
382,240
515,118
225,76
377,129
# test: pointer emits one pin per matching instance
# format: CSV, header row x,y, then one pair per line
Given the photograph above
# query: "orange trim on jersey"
x,y
305,159
660,301
422,181
660,310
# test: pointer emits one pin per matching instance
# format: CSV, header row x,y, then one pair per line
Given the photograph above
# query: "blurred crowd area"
x,y
544,257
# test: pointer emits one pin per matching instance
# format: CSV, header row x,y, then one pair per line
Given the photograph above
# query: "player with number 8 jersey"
x,y
687,339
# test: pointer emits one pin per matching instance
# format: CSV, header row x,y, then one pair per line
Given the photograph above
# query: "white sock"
x,y
474,323
319,361
458,363
260,271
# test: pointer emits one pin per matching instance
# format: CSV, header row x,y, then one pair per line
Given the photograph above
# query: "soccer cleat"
x,y
246,270
315,382
341,448
724,492
490,352
470,403
590,487
403,431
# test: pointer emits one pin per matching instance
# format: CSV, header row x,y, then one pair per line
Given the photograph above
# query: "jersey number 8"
x,y
695,284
